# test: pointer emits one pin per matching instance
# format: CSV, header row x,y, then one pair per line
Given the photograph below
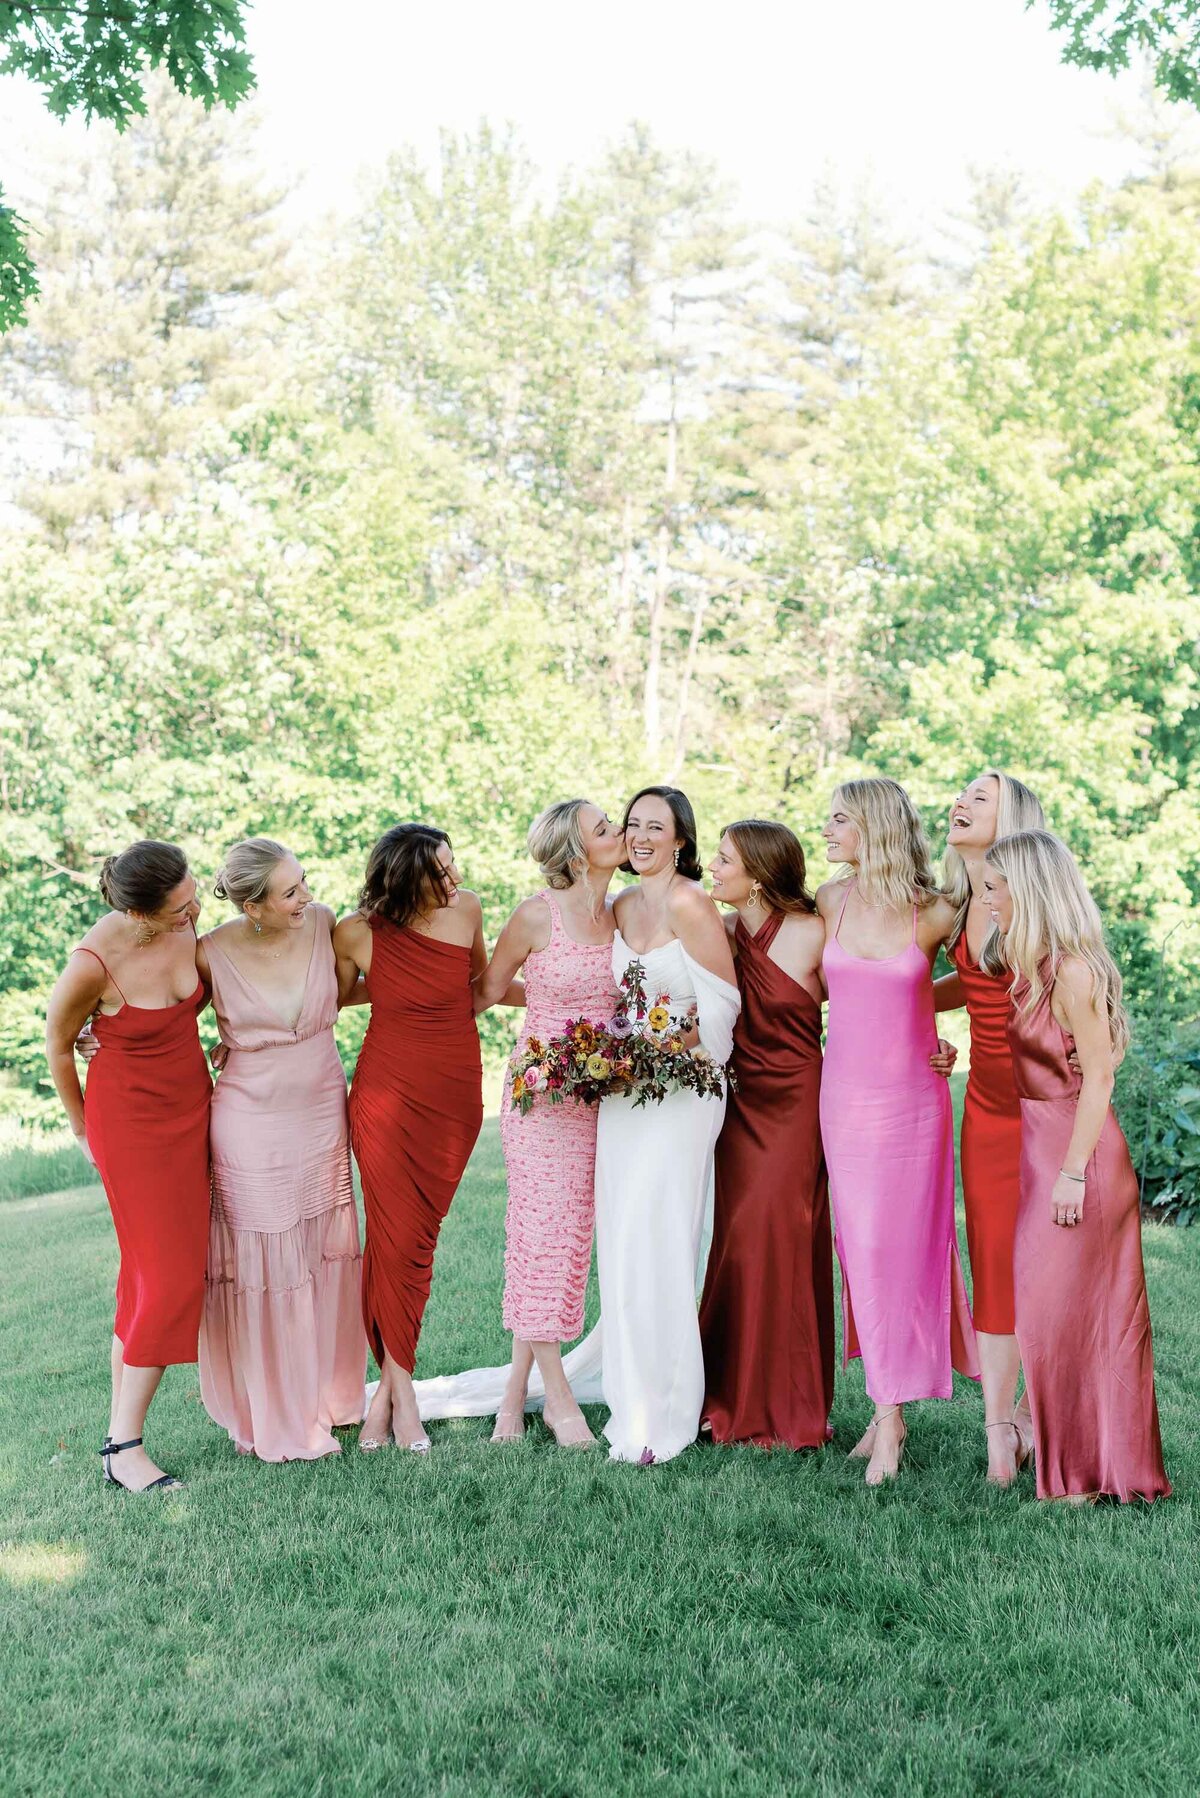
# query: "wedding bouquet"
x,y
640,1054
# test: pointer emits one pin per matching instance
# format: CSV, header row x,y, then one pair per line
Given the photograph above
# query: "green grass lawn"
x,y
529,1621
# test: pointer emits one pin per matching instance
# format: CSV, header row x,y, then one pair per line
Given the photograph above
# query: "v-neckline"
x,y
260,995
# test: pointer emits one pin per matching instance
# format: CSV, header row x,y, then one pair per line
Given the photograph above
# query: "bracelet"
x,y
1079,1179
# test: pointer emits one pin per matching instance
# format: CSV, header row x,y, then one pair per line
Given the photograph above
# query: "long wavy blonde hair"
x,y
1019,809
1053,915
894,861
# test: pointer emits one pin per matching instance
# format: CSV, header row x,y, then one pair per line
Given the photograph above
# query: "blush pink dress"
x,y
1083,1320
888,1128
282,1349
550,1153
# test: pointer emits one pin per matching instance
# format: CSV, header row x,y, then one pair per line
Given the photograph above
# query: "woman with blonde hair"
x,y
991,806
282,1348
1082,1317
886,1116
561,938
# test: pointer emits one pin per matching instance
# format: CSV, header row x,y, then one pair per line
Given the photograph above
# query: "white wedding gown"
x,y
653,1199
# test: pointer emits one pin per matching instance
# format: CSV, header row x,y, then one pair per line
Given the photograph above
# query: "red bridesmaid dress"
x,y
145,1110
766,1319
1083,1319
416,1108
990,1145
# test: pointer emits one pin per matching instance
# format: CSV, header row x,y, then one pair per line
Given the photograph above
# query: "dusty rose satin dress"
x,y
282,1348
888,1129
1083,1320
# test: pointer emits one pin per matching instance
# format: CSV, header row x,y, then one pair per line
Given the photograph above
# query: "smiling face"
x,y
731,883
843,840
602,840
446,891
997,897
651,838
178,911
974,814
287,900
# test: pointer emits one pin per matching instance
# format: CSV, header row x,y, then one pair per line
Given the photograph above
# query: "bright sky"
x,y
910,92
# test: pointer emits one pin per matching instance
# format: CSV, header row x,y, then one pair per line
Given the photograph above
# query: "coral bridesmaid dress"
x,y
282,1351
888,1128
146,1113
550,1153
416,1108
766,1321
1083,1320
990,1145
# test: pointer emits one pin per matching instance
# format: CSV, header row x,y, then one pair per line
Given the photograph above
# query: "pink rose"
x,y
533,1079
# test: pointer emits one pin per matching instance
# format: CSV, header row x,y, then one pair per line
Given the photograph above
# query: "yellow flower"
x,y
584,1036
533,1047
518,1088
675,1044
659,1017
598,1067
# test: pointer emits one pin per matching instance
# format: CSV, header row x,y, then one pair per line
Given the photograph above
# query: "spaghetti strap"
x,y
81,949
914,934
850,886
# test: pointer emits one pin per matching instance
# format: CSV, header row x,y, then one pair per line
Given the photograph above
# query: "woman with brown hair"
x,y
766,1319
416,1102
143,1124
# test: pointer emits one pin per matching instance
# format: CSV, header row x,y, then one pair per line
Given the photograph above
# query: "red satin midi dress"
x,y
766,1319
145,1110
416,1108
990,1145
1083,1319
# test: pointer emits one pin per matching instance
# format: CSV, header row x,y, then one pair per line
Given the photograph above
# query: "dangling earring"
x,y
257,926
677,858
755,891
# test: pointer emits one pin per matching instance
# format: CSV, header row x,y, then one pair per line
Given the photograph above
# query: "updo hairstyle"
x,y
140,877
555,841
244,877
680,807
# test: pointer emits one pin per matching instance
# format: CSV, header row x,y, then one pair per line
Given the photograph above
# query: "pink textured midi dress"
x,y
550,1153
888,1128
282,1349
1083,1320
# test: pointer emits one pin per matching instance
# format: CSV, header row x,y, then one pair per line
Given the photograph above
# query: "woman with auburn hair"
x,y
416,1102
766,1319
143,1124
561,938
1083,1320
282,1351
886,1116
992,805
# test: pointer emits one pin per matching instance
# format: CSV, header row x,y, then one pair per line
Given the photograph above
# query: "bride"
x,y
654,1162
653,1167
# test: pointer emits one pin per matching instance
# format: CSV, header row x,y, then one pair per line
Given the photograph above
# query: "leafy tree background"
x,y
498,497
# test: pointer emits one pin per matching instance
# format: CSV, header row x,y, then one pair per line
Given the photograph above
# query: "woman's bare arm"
x,y
76,994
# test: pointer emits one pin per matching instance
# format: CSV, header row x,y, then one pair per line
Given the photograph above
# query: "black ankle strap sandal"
x,y
166,1482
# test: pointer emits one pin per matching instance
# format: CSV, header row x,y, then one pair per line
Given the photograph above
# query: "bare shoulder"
x,y
830,894
470,903
687,899
106,933
803,931
350,929
1074,980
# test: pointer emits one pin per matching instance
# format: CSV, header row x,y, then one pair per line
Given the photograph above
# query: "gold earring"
x,y
755,894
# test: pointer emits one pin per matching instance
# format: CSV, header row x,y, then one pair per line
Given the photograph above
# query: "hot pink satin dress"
x,y
1083,1320
888,1128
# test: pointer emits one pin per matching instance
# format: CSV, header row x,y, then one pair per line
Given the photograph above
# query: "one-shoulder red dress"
x,y
766,1320
145,1109
990,1145
416,1108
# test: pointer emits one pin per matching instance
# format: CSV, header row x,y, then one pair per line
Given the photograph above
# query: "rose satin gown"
x,y
145,1112
550,1153
888,1128
766,1320
1083,1320
282,1352
990,1145
416,1108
